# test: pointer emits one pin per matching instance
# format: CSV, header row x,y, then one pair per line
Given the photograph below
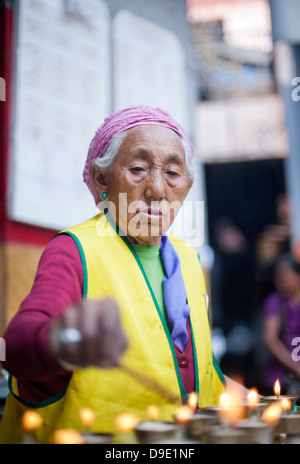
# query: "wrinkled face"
x,y
147,183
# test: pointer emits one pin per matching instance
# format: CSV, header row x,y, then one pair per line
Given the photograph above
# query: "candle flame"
x,y
31,420
183,414
231,407
193,401
252,396
126,421
286,404
153,411
225,401
273,412
87,416
277,388
67,437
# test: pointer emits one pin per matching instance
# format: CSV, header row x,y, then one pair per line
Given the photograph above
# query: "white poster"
x,y
62,96
149,67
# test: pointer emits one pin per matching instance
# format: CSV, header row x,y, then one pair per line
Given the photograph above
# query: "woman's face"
x,y
287,280
147,183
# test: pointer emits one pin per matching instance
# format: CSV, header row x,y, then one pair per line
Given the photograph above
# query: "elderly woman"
x,y
116,296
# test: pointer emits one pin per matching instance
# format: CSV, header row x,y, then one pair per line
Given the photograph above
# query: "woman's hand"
x,y
88,334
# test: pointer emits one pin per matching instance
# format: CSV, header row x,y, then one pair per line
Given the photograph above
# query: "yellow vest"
x,y
111,268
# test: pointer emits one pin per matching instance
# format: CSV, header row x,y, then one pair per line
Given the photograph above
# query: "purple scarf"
x,y
174,292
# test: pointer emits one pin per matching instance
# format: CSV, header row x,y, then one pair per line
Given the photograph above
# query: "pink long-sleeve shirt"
x,y
58,284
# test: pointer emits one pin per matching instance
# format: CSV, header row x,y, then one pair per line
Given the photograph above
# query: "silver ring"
x,y
70,335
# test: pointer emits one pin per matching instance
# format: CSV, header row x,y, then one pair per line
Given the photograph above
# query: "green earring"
x,y
104,195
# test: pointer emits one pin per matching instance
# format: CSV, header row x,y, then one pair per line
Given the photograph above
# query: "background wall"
x,y
22,240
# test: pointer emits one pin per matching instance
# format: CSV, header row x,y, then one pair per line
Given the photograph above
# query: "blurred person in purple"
x,y
281,328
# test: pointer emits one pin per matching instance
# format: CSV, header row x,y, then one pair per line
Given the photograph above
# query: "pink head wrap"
x,y
121,121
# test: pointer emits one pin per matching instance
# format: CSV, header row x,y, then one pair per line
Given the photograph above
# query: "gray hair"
x,y
106,161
